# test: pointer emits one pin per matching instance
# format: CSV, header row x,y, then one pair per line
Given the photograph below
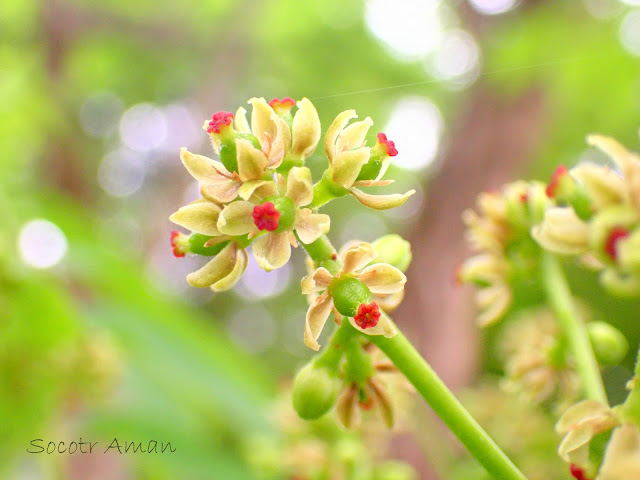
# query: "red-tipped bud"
x,y
282,106
368,315
179,243
266,216
388,146
611,245
219,121
577,472
558,175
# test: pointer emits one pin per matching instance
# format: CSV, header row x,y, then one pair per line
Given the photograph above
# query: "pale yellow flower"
x,y
579,424
378,278
347,153
274,222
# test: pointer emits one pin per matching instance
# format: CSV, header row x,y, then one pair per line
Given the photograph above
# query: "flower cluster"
x,y
503,249
597,215
260,195
536,364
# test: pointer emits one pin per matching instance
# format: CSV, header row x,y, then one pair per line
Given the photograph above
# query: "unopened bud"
x,y
394,250
315,390
609,344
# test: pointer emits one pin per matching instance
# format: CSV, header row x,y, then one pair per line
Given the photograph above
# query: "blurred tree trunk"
x,y
489,145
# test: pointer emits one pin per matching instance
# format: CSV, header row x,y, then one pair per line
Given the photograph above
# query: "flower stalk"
x,y
432,389
561,301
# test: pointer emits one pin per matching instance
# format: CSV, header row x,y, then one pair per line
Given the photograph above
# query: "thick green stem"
x,y
561,301
408,361
405,357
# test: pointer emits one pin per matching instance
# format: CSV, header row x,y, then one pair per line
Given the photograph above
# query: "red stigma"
x,y
266,216
555,181
611,245
285,104
524,197
389,146
368,315
577,472
218,121
177,251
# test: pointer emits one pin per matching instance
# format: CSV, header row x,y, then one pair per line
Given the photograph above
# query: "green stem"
x,y
561,301
408,361
405,357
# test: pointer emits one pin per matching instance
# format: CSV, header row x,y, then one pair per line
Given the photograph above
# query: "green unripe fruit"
x,y
315,390
196,245
287,210
394,250
371,169
228,155
609,344
348,293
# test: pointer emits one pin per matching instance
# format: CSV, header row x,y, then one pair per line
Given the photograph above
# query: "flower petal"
x,y
622,457
272,250
216,269
300,186
281,143
562,232
201,217
311,226
346,166
252,162
316,281
492,302
317,316
228,282
202,168
605,185
390,302
305,129
240,120
248,188
585,411
384,327
354,135
357,257
381,202
262,124
334,131
236,218
223,192
382,278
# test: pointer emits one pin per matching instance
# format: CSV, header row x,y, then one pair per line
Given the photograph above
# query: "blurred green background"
x,y
101,337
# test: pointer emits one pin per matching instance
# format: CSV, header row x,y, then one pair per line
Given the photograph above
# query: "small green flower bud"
x,y
315,390
348,294
609,344
394,250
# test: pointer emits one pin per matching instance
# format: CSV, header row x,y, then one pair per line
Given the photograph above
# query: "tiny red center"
x,y
218,121
577,472
177,251
611,245
555,181
389,146
368,315
266,216
285,104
